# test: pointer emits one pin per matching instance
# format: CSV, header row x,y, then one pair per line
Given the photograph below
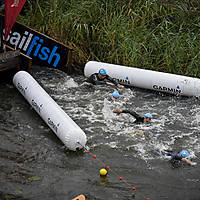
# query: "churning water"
x,y
34,164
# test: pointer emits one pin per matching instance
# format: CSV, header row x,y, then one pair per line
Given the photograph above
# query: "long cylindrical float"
x,y
62,125
147,79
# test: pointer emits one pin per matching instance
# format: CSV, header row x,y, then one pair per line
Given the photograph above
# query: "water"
x,y
34,164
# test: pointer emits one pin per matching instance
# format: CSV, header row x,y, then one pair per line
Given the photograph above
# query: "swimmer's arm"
x,y
133,113
113,82
94,80
109,83
119,111
141,133
118,85
188,161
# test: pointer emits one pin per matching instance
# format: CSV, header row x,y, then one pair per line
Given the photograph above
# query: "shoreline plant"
x,y
162,35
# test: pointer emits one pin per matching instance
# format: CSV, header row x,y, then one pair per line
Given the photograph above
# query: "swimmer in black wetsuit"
x,y
103,78
146,119
179,156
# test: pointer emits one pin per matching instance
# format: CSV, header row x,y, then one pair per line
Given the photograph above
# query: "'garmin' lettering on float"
x,y
35,105
176,90
52,124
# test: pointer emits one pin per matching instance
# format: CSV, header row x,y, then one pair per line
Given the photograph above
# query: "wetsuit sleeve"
x,y
174,155
112,80
177,157
134,114
91,79
94,80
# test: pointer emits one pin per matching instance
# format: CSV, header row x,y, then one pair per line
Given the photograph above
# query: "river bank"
x,y
156,35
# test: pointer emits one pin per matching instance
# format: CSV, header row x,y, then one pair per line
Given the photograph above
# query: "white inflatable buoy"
x,y
61,124
147,79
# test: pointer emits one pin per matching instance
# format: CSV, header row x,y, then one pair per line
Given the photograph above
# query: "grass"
x,y
161,35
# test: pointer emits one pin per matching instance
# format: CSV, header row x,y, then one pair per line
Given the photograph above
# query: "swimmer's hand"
x,y
188,161
120,86
126,99
193,163
139,133
117,111
109,83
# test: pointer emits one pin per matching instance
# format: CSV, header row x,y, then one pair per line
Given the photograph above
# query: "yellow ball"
x,y
103,172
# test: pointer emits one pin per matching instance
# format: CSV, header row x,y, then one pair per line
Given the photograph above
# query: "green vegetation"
x,y
161,35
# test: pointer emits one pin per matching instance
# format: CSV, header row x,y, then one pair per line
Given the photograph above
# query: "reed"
x,y
160,35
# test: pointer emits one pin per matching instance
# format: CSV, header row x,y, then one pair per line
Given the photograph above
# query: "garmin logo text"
x,y
21,89
122,81
33,46
52,124
35,105
166,89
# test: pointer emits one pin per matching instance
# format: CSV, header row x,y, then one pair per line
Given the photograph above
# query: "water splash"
x,y
92,107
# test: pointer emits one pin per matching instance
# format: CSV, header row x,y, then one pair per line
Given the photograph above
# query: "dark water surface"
x,y
35,165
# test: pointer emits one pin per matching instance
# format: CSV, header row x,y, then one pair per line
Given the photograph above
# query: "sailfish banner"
x,y
12,10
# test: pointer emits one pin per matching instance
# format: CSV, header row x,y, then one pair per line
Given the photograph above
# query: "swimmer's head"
x,y
184,154
102,72
115,94
148,115
147,118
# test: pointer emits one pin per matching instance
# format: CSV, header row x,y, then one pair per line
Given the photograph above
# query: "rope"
x,y
113,172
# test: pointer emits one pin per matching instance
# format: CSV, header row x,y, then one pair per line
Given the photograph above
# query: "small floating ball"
x,y
103,172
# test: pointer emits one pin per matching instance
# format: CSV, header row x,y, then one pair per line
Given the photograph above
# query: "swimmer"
x,y
139,119
103,78
180,156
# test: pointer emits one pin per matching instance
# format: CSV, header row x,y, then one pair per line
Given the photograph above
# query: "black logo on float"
x,y
52,124
35,105
166,89
124,81
21,89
